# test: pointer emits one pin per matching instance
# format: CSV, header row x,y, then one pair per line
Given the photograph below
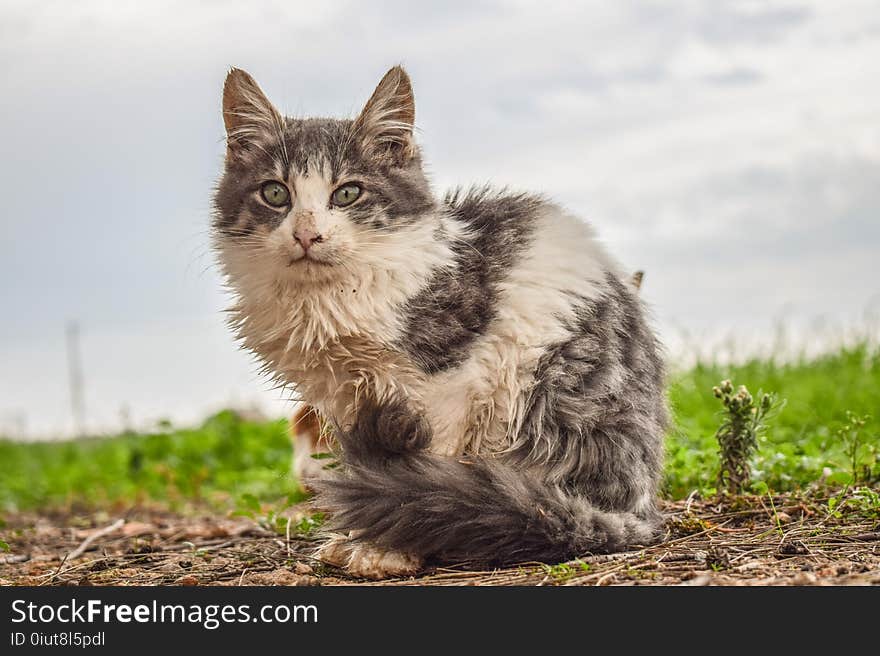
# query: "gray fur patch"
x,y
458,302
596,412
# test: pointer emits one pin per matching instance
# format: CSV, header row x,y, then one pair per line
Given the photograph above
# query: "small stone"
x,y
804,578
187,580
783,518
792,548
717,558
699,580
302,568
280,576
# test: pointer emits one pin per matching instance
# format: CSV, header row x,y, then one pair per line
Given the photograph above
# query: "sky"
x,y
729,149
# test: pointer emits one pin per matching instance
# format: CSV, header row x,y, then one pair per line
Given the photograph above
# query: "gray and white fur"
x,y
495,388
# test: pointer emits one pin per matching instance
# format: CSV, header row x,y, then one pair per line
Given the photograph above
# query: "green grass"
x,y
801,439
228,463
219,463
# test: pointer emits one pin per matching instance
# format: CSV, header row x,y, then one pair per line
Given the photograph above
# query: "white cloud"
x,y
665,123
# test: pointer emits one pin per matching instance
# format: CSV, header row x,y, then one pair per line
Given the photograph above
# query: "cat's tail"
x,y
394,494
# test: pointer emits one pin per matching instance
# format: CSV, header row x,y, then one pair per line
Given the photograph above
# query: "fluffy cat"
x,y
492,382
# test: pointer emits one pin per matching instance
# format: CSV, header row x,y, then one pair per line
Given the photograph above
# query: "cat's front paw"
x,y
373,563
335,551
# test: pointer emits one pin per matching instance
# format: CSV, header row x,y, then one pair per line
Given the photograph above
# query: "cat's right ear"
x,y
385,125
247,113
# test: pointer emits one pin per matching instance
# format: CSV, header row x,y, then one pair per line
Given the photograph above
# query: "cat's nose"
x,y
306,237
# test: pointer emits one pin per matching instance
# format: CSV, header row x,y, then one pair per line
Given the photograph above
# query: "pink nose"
x,y
306,237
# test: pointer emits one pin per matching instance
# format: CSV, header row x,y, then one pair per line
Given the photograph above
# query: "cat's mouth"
x,y
306,260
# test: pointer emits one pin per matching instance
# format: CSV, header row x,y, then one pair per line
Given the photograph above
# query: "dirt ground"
x,y
784,540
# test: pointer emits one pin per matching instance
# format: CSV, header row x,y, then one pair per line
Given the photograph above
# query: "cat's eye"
x,y
275,194
345,195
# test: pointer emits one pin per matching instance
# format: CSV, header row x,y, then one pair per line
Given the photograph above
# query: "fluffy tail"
x,y
394,494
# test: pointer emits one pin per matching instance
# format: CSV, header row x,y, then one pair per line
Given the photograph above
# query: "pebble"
x,y
804,578
302,568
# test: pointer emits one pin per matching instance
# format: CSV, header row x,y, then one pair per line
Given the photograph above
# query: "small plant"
x,y
744,420
275,518
330,460
688,524
861,501
309,524
564,571
247,505
860,452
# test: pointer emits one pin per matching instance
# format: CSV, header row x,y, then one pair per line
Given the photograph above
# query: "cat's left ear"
x,y
385,125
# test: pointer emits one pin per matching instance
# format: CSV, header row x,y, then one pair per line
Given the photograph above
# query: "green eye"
x,y
275,194
346,195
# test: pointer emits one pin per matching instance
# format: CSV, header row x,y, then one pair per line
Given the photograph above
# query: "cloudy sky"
x,y
731,149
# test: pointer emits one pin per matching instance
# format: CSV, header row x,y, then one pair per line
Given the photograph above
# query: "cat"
x,y
494,386
311,435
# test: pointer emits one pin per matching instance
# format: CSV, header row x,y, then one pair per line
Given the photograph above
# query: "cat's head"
x,y
309,199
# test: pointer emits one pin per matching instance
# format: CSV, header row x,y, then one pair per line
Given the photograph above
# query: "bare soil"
x,y
783,540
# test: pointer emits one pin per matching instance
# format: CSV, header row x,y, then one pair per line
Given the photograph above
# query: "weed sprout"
x,y
744,420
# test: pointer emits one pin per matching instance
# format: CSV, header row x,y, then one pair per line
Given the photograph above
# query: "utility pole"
x,y
75,379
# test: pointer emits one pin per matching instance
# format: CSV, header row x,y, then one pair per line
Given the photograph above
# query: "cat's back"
x,y
522,239
495,212
521,267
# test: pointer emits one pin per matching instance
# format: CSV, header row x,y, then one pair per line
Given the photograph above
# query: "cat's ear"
x,y
385,125
247,113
